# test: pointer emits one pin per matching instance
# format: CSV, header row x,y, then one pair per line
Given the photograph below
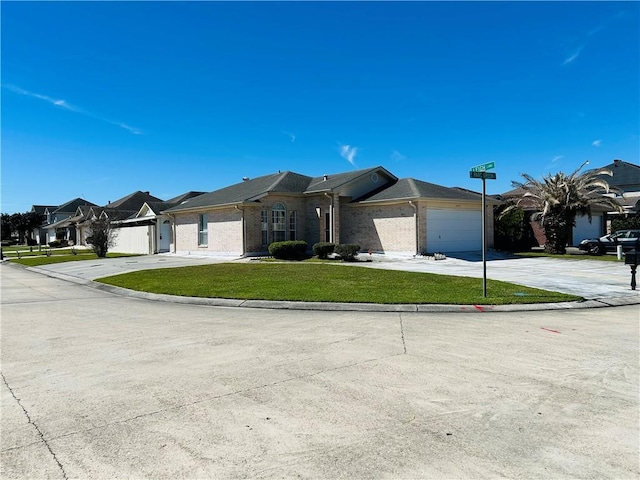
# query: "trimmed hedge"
x,y
323,249
347,251
289,250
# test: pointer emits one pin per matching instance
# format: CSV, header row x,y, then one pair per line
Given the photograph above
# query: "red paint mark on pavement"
x,y
478,307
549,330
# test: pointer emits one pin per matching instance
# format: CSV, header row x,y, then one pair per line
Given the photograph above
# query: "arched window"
x,y
278,220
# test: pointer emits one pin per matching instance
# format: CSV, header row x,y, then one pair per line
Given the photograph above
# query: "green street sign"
x,y
484,168
483,175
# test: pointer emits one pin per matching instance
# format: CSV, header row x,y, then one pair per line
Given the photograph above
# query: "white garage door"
x,y
454,230
584,229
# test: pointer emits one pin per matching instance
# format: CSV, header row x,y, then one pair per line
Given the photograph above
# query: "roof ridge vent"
x,y
325,177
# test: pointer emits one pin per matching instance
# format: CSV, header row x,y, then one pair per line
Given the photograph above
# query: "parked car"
x,y
9,241
609,243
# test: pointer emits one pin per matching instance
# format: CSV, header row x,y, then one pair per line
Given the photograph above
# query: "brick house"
x,y
370,207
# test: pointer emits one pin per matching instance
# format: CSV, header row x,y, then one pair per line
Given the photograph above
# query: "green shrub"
x,y
323,249
626,222
289,250
347,251
55,244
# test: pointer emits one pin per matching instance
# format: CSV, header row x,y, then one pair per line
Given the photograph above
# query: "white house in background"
x,y
148,231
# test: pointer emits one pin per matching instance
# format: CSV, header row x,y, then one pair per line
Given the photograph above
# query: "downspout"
x,y
415,216
244,231
331,232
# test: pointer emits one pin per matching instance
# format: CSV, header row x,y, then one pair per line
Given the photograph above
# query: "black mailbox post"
x,y
631,259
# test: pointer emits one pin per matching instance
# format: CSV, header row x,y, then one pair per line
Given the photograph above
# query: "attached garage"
x,y
584,229
451,230
133,239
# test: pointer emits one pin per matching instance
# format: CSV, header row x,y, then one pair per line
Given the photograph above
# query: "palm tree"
x,y
559,198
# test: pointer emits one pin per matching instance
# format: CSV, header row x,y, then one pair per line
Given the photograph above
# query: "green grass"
x,y
572,256
35,261
317,282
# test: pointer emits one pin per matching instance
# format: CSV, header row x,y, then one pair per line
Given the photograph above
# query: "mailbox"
x,y
631,259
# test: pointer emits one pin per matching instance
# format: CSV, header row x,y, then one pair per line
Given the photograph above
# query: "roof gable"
x,y
72,205
626,176
412,189
42,209
338,181
132,202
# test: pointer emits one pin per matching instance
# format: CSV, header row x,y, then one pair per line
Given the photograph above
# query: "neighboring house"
x,y
626,177
39,233
148,231
121,210
370,207
58,225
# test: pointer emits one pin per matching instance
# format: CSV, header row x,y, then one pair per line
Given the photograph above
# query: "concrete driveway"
x,y
591,279
96,385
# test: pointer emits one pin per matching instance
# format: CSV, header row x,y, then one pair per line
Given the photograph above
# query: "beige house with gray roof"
x,y
371,207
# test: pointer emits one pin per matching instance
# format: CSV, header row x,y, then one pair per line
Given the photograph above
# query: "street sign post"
x,y
483,175
480,171
484,167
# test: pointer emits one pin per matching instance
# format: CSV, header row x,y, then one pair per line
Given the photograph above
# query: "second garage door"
x,y
454,230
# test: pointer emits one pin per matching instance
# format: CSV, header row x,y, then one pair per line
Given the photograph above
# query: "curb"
x,y
335,307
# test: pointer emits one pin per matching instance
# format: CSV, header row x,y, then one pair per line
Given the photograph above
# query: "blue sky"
x,y
100,99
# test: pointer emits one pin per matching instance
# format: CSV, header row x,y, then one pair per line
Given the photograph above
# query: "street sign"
x,y
484,168
480,171
483,175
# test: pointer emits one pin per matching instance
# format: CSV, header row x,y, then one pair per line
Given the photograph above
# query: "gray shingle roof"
x,y
319,184
183,197
133,201
72,205
625,175
410,188
248,191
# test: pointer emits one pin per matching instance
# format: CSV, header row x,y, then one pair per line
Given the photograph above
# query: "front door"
x,y
165,236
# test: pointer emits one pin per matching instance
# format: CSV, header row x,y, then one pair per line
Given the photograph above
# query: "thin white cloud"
x,y
556,158
72,108
596,143
290,135
396,156
52,101
349,153
572,57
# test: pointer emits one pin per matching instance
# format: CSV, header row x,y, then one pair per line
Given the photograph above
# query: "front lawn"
x,y
320,282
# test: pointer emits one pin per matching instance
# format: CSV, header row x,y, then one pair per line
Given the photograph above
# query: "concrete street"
x,y
100,385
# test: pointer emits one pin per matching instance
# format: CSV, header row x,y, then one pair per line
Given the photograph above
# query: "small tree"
x,y
101,236
6,226
509,228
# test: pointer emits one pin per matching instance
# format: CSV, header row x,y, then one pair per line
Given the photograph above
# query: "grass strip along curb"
x,y
44,260
310,282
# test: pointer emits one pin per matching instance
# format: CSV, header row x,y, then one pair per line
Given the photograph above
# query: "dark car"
x,y
627,238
